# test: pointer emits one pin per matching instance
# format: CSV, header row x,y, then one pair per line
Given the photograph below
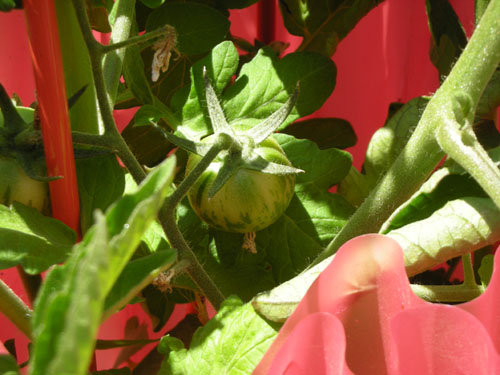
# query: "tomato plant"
x,y
220,153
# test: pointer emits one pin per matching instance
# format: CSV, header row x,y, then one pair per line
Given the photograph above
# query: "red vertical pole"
x,y
52,104
265,24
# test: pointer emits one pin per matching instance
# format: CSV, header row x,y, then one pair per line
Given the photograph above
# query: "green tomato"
x,y
250,200
15,185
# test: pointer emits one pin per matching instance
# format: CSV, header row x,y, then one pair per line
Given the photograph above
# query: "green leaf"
x,y
238,4
325,132
146,141
448,37
279,303
459,227
221,65
136,275
199,27
152,3
8,365
490,100
233,342
486,269
32,240
265,83
355,187
7,5
447,183
70,304
323,23
262,87
387,142
135,77
77,65
101,181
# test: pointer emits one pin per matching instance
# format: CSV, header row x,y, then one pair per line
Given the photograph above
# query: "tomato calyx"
x,y
239,151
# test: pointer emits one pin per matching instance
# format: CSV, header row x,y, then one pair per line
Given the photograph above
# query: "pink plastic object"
x,y
385,328
52,104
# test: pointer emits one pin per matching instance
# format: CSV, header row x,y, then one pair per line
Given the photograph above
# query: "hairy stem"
x,y
15,309
136,39
110,130
422,153
113,61
167,219
447,293
463,146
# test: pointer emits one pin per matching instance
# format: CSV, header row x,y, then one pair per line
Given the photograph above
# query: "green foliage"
x,y
63,343
263,85
325,132
32,240
233,342
448,36
198,27
387,142
100,183
486,269
8,365
323,23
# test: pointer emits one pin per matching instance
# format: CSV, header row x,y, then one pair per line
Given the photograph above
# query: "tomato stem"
x,y
422,153
15,309
168,221
163,31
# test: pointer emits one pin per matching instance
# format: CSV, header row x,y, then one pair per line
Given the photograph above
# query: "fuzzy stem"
x,y
447,293
469,278
168,221
113,61
463,146
136,40
15,309
422,153
110,130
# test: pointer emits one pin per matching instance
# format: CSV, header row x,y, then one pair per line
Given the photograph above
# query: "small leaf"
x,y
32,240
325,132
8,364
490,99
135,77
486,269
199,27
387,142
448,36
221,64
322,23
136,275
7,5
232,343
101,181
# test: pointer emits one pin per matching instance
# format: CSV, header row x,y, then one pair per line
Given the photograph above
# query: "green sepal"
x,y
261,165
263,130
197,148
219,122
229,168
13,122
